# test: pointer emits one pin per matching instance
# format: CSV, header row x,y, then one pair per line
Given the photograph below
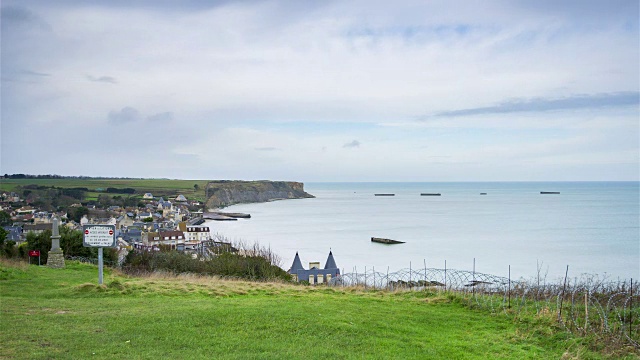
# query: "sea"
x,y
498,228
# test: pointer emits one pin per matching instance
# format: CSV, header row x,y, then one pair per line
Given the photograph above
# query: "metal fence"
x,y
448,279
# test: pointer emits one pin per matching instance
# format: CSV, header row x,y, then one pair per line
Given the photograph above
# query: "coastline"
x,y
220,194
591,226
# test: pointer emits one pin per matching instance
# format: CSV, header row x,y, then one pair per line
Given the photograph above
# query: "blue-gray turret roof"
x,y
297,264
331,263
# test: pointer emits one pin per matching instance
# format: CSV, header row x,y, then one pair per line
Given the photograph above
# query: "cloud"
x,y
126,115
589,12
104,79
23,75
34,73
306,76
353,144
20,15
161,117
13,17
130,114
575,102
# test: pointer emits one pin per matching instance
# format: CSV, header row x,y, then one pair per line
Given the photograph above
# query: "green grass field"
x,y
64,314
158,187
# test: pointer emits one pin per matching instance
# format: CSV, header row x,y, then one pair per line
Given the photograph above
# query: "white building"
x,y
194,232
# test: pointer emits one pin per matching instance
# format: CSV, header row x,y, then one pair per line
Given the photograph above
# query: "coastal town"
x,y
177,222
147,215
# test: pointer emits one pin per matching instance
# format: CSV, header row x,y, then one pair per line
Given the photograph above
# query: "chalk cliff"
x,y
229,192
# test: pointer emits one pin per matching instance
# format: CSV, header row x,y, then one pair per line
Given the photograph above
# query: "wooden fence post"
x,y
562,295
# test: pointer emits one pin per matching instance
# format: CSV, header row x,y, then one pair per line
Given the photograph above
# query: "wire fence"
x,y
582,305
448,279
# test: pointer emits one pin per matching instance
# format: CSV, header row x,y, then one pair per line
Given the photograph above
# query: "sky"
x,y
322,90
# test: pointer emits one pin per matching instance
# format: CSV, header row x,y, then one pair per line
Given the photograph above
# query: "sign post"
x,y
34,253
99,236
100,266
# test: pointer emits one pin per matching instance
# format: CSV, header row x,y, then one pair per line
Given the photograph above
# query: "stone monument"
x,y
56,256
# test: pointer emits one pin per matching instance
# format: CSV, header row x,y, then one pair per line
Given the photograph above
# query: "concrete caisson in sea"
x,y
386,241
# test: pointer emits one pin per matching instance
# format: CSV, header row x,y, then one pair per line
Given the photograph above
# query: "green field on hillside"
x,y
158,187
64,314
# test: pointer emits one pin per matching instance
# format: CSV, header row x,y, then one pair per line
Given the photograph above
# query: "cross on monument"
x,y
56,256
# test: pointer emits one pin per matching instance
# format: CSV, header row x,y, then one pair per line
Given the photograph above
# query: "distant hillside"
x,y
192,189
216,193
225,193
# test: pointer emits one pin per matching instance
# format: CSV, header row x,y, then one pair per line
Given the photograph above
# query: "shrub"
x,y
229,264
10,249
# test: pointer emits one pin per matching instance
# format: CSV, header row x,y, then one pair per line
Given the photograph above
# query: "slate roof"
x,y
314,274
167,235
14,232
134,232
331,263
297,264
164,204
37,227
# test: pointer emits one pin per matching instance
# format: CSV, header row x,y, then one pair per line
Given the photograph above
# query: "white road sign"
x,y
99,236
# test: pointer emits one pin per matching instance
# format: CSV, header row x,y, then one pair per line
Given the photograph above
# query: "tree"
x,y
130,201
7,247
42,242
196,187
3,236
5,218
78,213
71,243
104,200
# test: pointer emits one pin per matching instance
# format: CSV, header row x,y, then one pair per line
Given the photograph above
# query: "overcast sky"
x,y
322,90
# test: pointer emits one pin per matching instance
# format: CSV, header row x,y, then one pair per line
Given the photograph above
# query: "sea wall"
x,y
228,192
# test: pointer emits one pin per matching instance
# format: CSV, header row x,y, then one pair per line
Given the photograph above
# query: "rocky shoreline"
x,y
225,193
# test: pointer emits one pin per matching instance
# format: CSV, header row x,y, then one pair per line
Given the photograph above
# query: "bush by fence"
x,y
255,263
90,260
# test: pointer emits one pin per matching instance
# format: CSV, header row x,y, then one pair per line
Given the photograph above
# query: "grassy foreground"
x,y
58,314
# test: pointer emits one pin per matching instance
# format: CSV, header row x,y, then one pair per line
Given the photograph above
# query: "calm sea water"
x,y
594,227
